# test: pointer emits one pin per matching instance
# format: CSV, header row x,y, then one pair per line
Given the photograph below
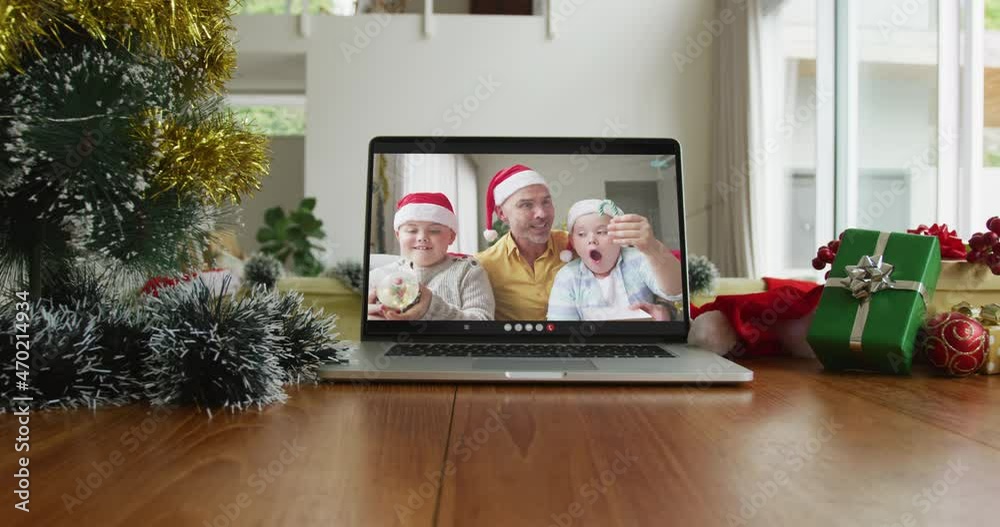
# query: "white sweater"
x,y
460,287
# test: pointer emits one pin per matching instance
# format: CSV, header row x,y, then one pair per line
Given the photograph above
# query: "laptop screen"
x,y
533,238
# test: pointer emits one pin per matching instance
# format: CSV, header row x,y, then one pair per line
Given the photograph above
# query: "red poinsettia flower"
x,y
952,247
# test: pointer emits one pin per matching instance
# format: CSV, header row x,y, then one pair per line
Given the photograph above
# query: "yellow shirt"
x,y
522,293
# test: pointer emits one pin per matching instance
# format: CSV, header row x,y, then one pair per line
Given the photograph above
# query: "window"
x,y
288,7
991,112
798,153
897,123
907,137
272,115
352,7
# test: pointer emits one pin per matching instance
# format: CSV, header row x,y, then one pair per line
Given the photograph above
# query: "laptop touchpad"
x,y
533,364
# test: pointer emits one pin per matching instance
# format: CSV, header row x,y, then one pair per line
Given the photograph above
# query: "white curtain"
x,y
731,228
770,190
748,93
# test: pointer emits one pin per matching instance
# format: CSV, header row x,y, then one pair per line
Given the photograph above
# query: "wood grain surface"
x,y
334,455
797,447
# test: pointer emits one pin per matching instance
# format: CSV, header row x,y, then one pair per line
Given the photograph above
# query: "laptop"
x,y
510,237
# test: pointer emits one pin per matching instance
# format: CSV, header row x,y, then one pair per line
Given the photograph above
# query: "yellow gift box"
x,y
992,364
964,282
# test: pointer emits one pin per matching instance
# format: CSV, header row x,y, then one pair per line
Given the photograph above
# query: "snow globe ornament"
x,y
398,290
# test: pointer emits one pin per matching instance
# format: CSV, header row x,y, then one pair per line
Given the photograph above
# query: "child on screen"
x,y
606,281
451,287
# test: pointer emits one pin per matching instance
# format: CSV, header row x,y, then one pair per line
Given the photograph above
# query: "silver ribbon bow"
x,y
871,275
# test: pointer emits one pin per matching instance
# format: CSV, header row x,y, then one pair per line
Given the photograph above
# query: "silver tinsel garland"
x,y
79,357
702,274
309,337
262,269
188,346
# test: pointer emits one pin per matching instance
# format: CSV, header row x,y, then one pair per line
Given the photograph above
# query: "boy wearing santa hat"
x,y
609,281
452,287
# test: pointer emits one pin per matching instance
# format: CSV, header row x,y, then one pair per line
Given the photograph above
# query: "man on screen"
x,y
522,265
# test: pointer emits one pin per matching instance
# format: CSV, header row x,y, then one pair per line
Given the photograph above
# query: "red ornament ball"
x,y
955,344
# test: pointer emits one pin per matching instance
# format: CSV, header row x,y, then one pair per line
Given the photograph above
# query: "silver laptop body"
x,y
616,351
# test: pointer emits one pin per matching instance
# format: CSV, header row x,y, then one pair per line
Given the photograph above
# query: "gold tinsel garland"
x,y
194,34
215,161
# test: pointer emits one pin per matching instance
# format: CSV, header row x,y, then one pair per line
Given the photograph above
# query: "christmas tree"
x,y
118,160
116,144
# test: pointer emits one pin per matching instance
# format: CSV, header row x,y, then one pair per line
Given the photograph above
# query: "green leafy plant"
x,y
291,236
501,229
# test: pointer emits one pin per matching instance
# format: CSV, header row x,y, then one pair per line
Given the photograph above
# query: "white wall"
x,y
258,73
611,62
282,187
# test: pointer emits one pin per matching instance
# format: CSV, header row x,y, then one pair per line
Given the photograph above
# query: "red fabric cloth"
x,y
156,283
755,317
801,285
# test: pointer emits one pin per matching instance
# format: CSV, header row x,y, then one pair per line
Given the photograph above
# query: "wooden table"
x,y
798,447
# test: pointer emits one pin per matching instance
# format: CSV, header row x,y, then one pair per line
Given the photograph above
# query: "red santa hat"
x,y
581,208
425,206
505,183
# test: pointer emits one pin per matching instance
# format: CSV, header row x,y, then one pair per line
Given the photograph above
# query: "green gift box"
x,y
875,300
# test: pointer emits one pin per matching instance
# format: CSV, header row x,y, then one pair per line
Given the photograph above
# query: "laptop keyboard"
x,y
589,351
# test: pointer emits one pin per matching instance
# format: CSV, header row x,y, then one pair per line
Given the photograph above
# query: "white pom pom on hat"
x,y
566,255
490,235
